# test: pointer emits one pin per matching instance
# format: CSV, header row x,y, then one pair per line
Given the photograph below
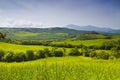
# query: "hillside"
x,y
40,33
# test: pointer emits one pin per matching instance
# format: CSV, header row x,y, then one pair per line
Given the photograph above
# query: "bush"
x,y
115,52
93,54
64,51
58,53
112,58
107,45
103,55
36,55
29,55
8,57
41,54
74,52
48,52
2,53
85,51
18,57
92,47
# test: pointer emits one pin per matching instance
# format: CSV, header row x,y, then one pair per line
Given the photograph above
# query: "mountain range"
x,y
70,26
92,28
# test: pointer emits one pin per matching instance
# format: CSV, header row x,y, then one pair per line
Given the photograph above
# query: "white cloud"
x,y
11,22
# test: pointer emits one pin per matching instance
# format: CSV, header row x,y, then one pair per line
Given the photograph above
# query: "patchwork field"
x,y
35,60
85,42
65,68
20,48
96,42
37,36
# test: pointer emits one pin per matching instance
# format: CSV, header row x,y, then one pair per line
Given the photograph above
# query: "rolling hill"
x,y
40,33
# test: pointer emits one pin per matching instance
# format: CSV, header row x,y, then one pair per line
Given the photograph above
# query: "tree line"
x,y
29,55
2,36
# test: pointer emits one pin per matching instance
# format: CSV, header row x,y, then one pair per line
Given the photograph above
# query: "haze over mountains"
x,y
75,27
92,28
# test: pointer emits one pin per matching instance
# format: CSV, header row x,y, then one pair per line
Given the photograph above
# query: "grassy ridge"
x,y
96,42
25,34
23,48
85,42
61,69
37,36
20,48
39,33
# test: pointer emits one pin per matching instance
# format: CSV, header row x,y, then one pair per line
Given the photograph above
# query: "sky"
x,y
58,13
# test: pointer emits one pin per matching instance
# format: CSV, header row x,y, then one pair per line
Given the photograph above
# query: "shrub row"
x,y
107,45
114,54
100,55
33,55
10,56
85,51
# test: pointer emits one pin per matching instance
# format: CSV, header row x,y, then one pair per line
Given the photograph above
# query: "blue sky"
x,y
47,13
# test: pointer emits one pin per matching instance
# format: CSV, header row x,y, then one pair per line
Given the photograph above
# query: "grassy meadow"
x,y
96,42
20,48
64,62
65,68
23,35
85,42
57,68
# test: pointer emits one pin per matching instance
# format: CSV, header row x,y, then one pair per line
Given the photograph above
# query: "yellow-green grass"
x,y
116,37
25,34
107,51
20,48
23,48
64,68
84,42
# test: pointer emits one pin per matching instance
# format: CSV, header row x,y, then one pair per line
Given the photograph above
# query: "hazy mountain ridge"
x,y
71,28
92,28
49,30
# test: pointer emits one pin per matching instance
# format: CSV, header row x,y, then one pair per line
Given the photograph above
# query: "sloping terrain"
x,y
40,33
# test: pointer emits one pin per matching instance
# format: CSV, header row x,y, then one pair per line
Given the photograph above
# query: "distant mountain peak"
x,y
92,28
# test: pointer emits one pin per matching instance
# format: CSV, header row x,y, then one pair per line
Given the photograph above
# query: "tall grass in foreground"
x,y
59,70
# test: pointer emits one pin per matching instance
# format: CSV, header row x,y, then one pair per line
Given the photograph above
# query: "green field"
x,y
25,34
65,68
37,36
20,48
96,42
44,62
85,42
57,68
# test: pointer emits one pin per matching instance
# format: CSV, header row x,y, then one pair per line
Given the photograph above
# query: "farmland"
x,y
59,39
19,48
85,42
61,69
59,55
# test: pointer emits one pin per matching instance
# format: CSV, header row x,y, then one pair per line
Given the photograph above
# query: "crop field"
x,y
45,61
60,40
65,68
23,48
37,36
116,37
20,48
25,34
96,42
85,42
